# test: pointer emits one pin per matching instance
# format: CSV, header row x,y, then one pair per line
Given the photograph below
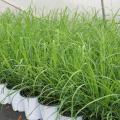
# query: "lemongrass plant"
x,y
71,60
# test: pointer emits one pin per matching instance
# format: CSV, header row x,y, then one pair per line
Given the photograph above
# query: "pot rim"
x,y
37,96
13,90
30,97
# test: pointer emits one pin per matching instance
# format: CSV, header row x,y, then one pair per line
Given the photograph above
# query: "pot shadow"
x,y
7,113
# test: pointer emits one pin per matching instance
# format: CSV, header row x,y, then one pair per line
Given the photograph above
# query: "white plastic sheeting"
x,y
111,6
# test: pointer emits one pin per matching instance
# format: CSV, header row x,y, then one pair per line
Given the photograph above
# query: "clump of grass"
x,y
72,60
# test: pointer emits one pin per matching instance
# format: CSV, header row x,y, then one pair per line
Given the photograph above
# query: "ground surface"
x,y
6,113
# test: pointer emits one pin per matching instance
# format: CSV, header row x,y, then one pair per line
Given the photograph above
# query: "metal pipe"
x,y
103,9
12,5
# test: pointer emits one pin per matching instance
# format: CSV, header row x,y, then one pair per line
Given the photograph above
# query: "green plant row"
x,y
70,60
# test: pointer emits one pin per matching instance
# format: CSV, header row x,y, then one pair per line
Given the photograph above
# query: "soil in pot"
x,y
2,81
10,86
28,92
65,113
49,100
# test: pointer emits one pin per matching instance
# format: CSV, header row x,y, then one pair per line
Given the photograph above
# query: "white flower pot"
x,y
32,108
5,96
68,118
2,86
49,112
12,93
18,102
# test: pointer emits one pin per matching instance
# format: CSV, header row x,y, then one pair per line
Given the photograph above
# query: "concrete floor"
x,y
6,113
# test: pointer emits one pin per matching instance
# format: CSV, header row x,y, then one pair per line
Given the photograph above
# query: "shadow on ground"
x,y
6,113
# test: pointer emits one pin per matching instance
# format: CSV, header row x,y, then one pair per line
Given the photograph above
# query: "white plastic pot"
x,y
32,108
5,96
2,86
18,102
49,112
11,94
68,118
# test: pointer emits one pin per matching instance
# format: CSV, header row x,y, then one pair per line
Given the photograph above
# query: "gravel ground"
x,y
6,113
